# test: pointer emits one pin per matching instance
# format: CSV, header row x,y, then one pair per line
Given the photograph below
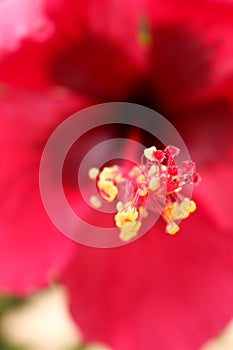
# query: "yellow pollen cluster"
x,y
175,211
106,183
108,190
130,230
172,228
140,179
184,209
125,216
111,173
143,191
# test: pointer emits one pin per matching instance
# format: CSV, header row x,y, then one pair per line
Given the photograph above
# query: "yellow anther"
x,y
109,173
93,173
125,216
95,202
184,207
164,168
167,212
183,210
143,192
185,203
130,230
119,206
187,206
149,153
107,190
177,212
140,179
172,228
186,214
153,170
192,206
154,183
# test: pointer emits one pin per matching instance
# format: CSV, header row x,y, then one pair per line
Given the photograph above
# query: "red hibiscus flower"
x,y
160,291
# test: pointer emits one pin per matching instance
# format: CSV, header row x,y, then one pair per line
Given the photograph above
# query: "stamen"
x,y
159,179
149,153
154,183
126,215
172,228
95,202
119,206
93,173
109,177
130,230
108,190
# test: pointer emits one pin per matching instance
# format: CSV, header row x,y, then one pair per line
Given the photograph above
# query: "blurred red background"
x,y
176,57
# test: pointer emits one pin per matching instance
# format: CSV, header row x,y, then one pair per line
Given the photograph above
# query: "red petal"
x,y
98,51
83,50
208,133
20,19
192,51
167,292
32,251
160,292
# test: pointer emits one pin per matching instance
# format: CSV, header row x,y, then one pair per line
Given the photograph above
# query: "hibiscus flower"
x,y
160,291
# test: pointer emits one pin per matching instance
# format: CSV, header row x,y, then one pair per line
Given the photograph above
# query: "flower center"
x,y
154,185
